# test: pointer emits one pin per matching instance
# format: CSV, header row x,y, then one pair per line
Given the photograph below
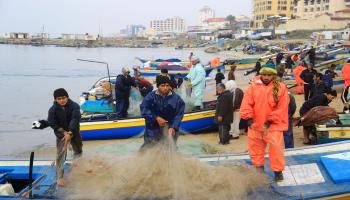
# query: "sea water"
x,y
29,75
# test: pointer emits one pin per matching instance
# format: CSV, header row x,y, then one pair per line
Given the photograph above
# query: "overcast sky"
x,y
81,16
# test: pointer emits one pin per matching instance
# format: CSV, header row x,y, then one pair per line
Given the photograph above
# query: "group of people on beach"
x,y
264,110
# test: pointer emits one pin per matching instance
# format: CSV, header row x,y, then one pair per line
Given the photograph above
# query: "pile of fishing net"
x,y
159,173
318,115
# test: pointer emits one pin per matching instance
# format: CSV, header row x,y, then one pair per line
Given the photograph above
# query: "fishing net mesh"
x,y
159,172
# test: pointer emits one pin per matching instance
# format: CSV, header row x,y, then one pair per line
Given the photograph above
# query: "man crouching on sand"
x,y
64,119
265,107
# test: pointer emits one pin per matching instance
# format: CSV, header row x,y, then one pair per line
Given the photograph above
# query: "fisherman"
x,y
224,113
329,75
180,80
288,135
231,73
256,68
143,85
279,58
197,82
162,109
308,77
237,94
64,119
265,107
122,92
165,72
318,100
345,98
346,73
320,85
312,56
299,82
289,63
218,78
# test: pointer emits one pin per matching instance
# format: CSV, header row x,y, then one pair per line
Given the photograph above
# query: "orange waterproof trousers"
x,y
257,142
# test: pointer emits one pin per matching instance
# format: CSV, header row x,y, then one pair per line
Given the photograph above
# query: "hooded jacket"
x,y
64,119
171,108
258,103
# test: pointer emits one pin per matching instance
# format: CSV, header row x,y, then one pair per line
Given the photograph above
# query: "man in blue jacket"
x,y
122,92
64,118
162,109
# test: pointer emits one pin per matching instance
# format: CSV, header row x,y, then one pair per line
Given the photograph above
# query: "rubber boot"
x,y
278,176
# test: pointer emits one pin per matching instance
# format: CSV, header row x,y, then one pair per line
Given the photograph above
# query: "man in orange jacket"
x,y
265,107
346,73
299,82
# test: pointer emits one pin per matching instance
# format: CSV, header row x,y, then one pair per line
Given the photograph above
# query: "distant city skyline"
x,y
107,16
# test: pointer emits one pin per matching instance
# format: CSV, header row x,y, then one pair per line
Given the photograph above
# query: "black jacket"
x,y
66,119
219,77
308,76
224,108
320,88
319,100
123,86
289,63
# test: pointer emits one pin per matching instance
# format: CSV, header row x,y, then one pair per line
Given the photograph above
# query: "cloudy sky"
x,y
80,16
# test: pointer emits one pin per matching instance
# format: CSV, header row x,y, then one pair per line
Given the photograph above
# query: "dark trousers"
x,y
224,134
288,135
61,153
308,91
122,106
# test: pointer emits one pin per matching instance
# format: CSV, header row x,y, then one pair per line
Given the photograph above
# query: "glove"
x,y
249,122
267,124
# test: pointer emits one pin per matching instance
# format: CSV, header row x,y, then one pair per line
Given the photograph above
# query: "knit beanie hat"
x,y
268,68
60,92
162,80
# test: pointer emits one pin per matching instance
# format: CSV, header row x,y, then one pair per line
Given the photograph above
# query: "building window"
x,y
327,7
318,9
268,7
305,10
311,9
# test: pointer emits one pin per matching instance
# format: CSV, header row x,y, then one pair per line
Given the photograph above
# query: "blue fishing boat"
x,y
317,172
103,127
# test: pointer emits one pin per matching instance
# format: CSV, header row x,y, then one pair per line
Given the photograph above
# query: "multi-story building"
x,y
309,9
205,13
262,9
319,14
171,25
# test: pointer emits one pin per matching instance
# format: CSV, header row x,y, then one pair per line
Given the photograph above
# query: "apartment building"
x,y
319,14
262,9
170,25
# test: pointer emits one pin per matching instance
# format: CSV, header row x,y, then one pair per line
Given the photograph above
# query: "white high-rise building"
x,y
171,25
206,13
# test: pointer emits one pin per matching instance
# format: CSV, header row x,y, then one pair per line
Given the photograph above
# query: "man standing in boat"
x,y
197,78
162,109
122,92
265,107
64,119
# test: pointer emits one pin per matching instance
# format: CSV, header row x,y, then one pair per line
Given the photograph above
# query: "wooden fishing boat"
x,y
243,64
334,133
314,172
155,72
104,127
